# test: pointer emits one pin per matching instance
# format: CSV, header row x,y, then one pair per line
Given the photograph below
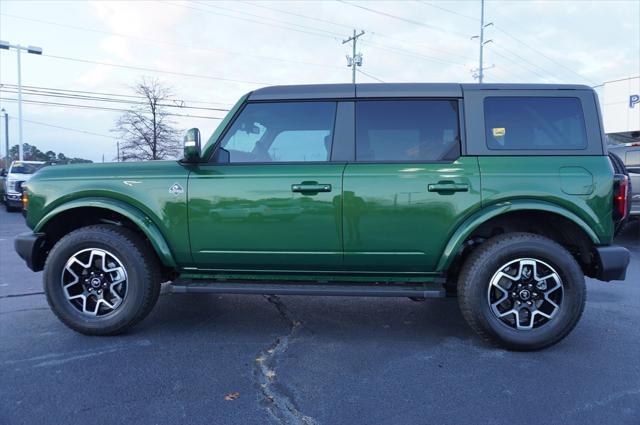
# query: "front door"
x,y
409,188
269,200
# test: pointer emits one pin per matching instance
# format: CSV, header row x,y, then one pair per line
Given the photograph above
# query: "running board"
x,y
426,290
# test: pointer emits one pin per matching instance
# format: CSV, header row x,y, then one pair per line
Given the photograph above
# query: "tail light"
x,y
620,196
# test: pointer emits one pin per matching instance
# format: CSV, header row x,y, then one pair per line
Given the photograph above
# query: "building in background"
x,y
620,103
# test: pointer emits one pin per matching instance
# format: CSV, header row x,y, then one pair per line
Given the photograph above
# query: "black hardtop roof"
x,y
337,91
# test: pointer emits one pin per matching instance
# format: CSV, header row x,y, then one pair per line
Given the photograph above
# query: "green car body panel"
x,y
397,220
139,193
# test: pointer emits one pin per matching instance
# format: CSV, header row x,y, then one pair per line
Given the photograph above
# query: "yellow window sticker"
x,y
499,131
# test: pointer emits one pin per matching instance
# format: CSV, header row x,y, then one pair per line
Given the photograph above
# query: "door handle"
x,y
448,187
310,187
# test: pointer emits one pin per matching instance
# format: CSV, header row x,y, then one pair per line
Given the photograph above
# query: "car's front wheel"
x,y
521,291
102,279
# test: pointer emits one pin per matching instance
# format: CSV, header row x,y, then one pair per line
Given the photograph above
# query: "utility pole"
x,y
479,73
29,49
355,59
6,139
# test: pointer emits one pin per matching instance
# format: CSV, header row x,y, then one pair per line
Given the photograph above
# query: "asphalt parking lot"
x,y
209,359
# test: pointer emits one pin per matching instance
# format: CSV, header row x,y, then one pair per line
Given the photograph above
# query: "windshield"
x,y
24,168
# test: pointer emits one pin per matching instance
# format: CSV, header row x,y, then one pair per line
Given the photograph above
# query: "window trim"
x,y
583,122
216,147
460,122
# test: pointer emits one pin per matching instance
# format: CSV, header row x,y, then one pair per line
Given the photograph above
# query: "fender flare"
x,y
139,218
467,227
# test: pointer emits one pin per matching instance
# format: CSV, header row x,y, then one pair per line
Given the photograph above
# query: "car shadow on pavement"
x,y
329,318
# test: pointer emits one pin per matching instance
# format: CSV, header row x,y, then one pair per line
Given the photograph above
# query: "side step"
x,y
424,290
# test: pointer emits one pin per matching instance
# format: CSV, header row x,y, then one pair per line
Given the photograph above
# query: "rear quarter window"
x,y
534,123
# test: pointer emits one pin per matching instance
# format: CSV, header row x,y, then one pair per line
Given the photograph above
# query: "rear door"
x,y
409,187
270,198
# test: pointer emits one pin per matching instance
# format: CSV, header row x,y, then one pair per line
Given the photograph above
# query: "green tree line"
x,y
32,153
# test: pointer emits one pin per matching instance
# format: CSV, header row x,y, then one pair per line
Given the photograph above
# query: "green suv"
x,y
501,194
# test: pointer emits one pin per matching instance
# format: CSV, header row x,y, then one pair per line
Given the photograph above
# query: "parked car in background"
x,y
18,173
629,153
3,179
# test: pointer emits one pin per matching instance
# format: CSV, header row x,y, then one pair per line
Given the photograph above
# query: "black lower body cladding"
x,y
30,247
612,262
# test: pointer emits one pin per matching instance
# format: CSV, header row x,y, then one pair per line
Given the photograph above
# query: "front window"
x,y
281,132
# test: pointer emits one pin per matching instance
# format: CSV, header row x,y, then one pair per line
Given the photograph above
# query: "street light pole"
x,y
33,50
6,139
20,139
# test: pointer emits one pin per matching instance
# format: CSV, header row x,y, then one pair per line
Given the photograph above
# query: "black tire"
x,y
137,258
488,259
9,208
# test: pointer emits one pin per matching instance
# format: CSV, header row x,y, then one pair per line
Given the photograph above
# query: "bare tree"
x,y
146,131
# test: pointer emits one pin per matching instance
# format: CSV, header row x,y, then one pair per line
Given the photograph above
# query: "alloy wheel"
x,y
525,293
94,282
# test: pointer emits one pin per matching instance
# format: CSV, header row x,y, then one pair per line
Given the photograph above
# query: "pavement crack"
x,y
26,294
23,310
279,405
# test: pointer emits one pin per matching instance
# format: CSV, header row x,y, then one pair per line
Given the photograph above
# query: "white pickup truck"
x,y
19,172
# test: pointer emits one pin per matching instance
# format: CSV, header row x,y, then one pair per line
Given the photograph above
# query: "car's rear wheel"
x,y
101,280
521,291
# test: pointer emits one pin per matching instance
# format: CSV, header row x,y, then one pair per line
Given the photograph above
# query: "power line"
x,y
449,10
517,63
67,128
98,108
378,34
271,25
112,94
169,43
217,6
370,76
514,38
325,33
410,53
63,95
299,15
523,60
544,55
400,18
161,71
394,38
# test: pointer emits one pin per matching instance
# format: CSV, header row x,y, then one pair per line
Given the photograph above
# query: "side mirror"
x,y
192,145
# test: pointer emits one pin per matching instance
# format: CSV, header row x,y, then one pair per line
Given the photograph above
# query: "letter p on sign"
x,y
634,99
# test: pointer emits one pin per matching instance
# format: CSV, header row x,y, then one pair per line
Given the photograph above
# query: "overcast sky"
x,y
213,52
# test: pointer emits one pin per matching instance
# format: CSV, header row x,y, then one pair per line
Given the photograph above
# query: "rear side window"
x,y
281,132
407,130
534,123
